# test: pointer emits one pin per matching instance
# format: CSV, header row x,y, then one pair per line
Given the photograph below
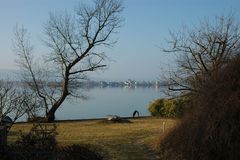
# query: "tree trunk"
x,y
51,114
65,93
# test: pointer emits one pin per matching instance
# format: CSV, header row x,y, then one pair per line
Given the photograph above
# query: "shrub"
x,y
211,128
156,107
76,152
40,144
168,108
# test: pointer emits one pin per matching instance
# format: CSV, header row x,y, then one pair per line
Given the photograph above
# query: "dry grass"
x,y
120,141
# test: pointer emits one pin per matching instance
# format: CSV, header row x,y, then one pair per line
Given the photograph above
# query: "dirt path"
x,y
147,150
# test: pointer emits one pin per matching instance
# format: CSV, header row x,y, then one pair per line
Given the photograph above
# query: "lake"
x,y
105,101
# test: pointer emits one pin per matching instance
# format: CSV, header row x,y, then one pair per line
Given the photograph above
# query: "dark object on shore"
x,y
135,114
113,118
7,122
3,139
5,125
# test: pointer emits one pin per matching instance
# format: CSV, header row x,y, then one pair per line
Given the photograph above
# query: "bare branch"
x,y
203,50
73,41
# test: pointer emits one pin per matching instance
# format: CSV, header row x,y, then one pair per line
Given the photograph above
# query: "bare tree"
x,y
75,42
14,101
203,50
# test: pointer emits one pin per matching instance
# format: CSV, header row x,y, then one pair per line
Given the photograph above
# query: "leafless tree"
x,y
75,42
203,50
14,101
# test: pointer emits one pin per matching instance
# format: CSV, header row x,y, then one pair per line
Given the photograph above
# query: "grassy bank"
x,y
117,141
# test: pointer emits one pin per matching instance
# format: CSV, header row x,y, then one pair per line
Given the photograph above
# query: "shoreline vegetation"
x,y
114,141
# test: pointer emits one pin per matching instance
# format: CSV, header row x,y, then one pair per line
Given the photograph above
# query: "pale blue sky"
x,y
146,26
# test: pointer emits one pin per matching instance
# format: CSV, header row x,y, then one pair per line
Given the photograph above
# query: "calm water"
x,y
104,101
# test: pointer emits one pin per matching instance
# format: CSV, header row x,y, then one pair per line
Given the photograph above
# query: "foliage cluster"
x,y
39,144
168,108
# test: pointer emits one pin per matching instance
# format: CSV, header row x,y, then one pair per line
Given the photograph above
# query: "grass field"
x,y
116,141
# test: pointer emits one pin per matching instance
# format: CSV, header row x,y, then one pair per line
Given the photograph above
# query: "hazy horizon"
x,y
13,73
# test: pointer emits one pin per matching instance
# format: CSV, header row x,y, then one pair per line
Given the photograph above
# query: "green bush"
x,y
167,108
155,107
170,108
